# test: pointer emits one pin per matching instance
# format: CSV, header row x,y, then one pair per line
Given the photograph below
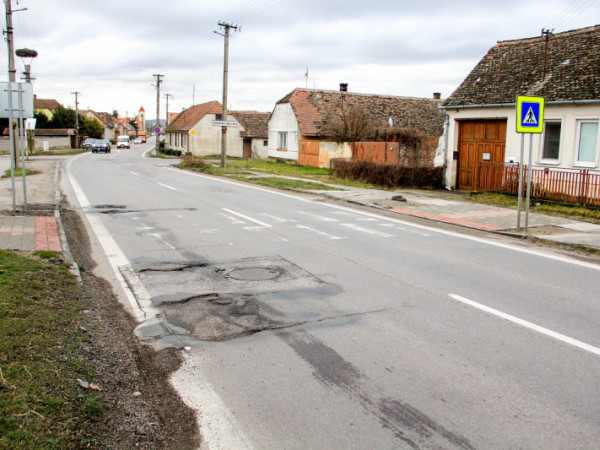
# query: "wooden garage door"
x,y
308,153
478,140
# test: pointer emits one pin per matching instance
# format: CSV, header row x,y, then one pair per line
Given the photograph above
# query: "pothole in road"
x,y
202,301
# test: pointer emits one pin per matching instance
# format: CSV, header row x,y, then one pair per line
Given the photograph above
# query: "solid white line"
x,y
266,225
429,229
355,227
167,186
531,326
322,233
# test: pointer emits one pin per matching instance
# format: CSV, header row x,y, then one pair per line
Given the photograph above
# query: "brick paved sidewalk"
x,y
29,233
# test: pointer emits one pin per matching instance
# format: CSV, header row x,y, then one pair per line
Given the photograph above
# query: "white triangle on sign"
x,y
530,117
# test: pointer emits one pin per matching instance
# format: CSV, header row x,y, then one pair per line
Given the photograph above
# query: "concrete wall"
x,y
330,150
284,120
259,149
568,115
54,142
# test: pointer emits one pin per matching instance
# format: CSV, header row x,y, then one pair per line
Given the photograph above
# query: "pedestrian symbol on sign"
x,y
530,117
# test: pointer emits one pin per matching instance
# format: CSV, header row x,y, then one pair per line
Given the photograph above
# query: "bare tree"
x,y
351,124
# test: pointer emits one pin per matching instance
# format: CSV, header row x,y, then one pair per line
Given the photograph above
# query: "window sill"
x,y
282,149
585,165
549,162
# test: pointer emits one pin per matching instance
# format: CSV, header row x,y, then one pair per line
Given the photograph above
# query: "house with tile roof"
x,y
107,121
254,133
301,122
193,132
564,69
45,106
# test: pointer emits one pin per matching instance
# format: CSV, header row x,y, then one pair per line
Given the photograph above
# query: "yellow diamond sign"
x,y
192,132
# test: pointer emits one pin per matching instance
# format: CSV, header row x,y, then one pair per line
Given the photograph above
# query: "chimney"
x,y
437,96
343,87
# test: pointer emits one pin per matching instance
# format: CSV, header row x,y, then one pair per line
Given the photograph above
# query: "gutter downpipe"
x,y
446,131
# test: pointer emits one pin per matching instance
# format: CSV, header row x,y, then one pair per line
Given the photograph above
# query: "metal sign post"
x,y
530,119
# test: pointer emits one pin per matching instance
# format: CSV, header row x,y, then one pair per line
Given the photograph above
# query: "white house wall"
x,y
283,119
568,115
207,140
259,149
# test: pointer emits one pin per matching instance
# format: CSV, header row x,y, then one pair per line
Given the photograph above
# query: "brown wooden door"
x,y
308,153
478,140
247,148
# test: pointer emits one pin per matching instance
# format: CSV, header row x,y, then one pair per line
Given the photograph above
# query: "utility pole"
x,y
227,27
76,119
158,81
9,39
167,106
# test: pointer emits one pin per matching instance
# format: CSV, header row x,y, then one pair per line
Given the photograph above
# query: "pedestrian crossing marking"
x,y
530,117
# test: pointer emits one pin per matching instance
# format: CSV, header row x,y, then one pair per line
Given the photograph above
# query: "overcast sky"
x,y
108,50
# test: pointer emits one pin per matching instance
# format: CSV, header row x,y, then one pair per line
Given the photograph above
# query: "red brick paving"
x,y
46,234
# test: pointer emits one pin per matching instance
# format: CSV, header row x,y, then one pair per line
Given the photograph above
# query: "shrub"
x,y
386,175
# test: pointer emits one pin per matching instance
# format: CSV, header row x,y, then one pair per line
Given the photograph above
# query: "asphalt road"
x,y
307,324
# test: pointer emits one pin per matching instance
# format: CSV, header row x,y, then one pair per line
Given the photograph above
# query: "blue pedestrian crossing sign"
x,y
530,114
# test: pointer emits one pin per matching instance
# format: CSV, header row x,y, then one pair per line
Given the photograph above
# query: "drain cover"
x,y
254,274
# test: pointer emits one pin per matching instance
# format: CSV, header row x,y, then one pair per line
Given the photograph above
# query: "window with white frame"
x,y
551,149
282,141
587,142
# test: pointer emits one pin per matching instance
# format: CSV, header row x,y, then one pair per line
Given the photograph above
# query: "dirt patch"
x,y
142,410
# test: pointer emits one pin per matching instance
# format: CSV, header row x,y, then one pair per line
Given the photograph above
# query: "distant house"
x,y
254,132
107,121
302,122
563,68
45,106
193,132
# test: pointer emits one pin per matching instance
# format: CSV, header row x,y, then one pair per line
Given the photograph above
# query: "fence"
x,y
577,186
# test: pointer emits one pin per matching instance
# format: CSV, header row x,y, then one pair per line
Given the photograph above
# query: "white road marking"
x,y
554,257
396,227
529,325
219,427
319,217
159,237
262,224
134,291
321,233
167,186
277,219
355,227
133,173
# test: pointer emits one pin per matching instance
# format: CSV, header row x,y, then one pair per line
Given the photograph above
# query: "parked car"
x,y
137,141
100,145
87,144
123,141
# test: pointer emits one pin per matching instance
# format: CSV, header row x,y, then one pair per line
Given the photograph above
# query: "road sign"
x,y
224,123
192,132
530,114
157,130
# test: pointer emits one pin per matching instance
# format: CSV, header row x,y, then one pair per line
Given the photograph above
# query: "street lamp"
x,y
27,55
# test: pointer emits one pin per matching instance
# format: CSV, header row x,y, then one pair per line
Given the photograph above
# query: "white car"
x,y
123,142
137,141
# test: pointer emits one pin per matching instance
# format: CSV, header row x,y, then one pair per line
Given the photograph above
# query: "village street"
x,y
307,324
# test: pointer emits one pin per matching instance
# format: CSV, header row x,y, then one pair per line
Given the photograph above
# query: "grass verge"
x,y
41,403
19,172
288,184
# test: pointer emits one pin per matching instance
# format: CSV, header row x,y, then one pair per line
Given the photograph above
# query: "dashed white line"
x,y
355,227
167,186
396,227
133,173
319,232
262,224
319,217
277,219
529,325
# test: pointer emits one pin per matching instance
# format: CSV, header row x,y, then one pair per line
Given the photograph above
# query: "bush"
x,y
386,175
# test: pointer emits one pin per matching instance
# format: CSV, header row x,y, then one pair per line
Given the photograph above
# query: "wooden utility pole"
x,y
227,27
158,81
76,119
9,39
167,107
